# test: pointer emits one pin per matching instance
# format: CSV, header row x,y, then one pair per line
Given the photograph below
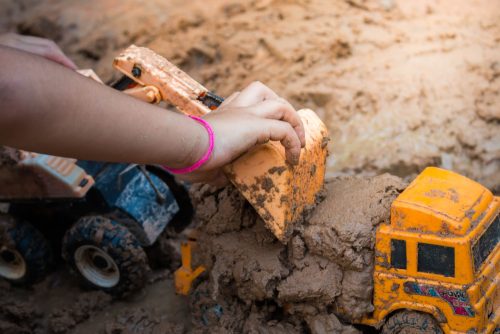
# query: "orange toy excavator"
x,y
280,193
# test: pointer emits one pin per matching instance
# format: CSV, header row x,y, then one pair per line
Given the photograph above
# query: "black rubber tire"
x,y
116,241
411,322
30,244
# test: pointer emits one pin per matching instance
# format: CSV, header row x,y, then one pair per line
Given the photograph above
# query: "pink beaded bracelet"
x,y
204,158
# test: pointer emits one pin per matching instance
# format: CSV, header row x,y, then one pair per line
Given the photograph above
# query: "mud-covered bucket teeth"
x,y
279,192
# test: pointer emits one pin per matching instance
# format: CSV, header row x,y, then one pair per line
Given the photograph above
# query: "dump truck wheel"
x,y
411,322
25,255
106,256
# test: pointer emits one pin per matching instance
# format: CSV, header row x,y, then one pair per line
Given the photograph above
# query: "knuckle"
x,y
289,129
259,86
257,83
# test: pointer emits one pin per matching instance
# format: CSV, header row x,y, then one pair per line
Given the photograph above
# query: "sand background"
x,y
400,84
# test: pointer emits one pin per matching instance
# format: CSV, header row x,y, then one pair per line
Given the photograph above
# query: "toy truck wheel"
x,y
25,254
411,322
106,256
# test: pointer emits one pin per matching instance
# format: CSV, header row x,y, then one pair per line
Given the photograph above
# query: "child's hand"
x,y
38,46
252,117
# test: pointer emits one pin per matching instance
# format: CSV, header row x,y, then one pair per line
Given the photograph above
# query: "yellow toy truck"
x,y
437,262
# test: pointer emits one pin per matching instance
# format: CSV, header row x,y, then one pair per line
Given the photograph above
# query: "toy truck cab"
x,y
440,256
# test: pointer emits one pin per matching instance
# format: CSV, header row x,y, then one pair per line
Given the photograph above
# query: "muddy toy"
x,y
104,217
437,263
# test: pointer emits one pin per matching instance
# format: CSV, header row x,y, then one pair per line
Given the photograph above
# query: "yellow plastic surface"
x,y
185,275
446,209
281,193
440,201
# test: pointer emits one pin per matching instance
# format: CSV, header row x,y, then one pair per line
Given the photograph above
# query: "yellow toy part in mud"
x,y
186,275
439,257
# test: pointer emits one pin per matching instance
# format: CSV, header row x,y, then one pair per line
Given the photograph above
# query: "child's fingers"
x,y
284,133
280,109
254,93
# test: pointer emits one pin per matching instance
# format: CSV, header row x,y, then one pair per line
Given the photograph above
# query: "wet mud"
x,y
319,282
322,275
142,320
27,315
60,305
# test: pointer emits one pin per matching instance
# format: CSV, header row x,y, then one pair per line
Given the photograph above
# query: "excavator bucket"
x,y
280,193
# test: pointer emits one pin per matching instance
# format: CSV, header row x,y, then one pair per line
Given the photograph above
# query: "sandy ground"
x,y
59,305
323,274
400,85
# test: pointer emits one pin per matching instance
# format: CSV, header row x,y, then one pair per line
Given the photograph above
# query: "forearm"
x,y
50,109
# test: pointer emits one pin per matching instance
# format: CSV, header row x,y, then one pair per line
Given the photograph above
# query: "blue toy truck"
x,y
105,218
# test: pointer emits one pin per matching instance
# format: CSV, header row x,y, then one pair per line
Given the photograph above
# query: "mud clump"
x,y
64,319
322,275
19,317
142,321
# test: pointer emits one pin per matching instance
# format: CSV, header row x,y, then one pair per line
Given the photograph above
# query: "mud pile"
x,y
23,314
142,321
58,305
17,316
323,274
400,84
86,305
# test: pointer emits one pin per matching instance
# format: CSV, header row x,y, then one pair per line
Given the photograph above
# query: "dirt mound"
x,y
18,316
22,311
87,304
58,305
324,272
142,321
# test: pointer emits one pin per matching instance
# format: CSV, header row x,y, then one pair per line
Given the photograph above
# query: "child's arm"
x,y
51,109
